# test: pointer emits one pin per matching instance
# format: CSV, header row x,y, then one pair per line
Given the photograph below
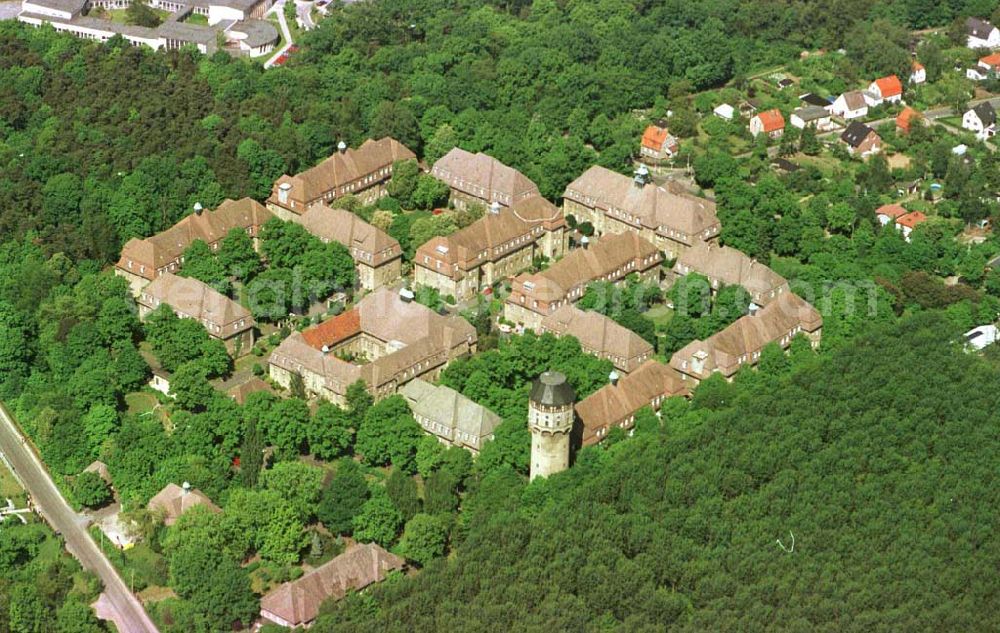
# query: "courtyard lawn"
x,y
197,18
660,315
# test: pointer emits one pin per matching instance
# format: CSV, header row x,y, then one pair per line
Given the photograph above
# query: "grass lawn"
x,y
660,315
121,16
197,18
954,121
140,402
10,489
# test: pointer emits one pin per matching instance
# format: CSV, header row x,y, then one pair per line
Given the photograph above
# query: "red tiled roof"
x,y
991,60
654,137
772,120
334,330
891,210
907,116
917,65
889,86
911,219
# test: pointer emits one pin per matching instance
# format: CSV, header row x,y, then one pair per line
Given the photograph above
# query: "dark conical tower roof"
x,y
551,390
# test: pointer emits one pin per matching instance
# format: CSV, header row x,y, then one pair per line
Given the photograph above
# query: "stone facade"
x,y
550,421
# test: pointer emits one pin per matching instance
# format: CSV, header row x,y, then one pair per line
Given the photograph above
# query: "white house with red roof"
x,y
887,89
918,74
658,143
769,122
906,223
888,213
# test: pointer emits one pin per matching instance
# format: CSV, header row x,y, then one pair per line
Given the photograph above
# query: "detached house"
x,y
981,119
850,105
481,179
918,74
769,122
981,34
861,140
377,256
990,63
174,500
658,143
906,119
599,336
886,89
888,213
906,223
361,172
812,115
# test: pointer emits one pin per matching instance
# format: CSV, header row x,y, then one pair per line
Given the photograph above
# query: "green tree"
x,y
402,490
99,424
90,490
424,538
237,255
330,434
341,500
296,482
190,387
378,521
430,453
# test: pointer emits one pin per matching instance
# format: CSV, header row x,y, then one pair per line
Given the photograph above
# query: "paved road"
x,y
304,11
131,617
279,9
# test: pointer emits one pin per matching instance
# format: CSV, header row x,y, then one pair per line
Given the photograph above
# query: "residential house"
x,y
906,223
888,213
850,105
174,500
784,82
481,179
296,603
501,244
906,119
975,74
451,417
981,119
726,266
981,34
812,115
668,216
385,341
599,336
990,64
978,338
615,404
658,143
769,122
812,99
362,172
918,74
861,140
741,342
888,89
143,260
609,258
377,256
725,111
223,318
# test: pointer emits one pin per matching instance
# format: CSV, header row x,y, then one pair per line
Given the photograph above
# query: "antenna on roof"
x,y
197,208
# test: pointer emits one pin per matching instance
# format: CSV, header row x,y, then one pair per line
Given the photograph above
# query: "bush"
x,y
90,490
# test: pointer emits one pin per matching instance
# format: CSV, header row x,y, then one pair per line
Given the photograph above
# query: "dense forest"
x,y
873,467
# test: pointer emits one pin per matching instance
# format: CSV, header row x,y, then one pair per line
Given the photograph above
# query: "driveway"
x,y
118,604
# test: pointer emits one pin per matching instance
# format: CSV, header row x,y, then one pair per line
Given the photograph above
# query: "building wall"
x,y
461,289
135,282
550,439
386,274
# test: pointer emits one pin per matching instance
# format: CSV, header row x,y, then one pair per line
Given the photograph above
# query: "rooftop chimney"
x,y
585,242
326,349
406,295
613,377
197,208
186,486
342,147
283,190
495,208
753,308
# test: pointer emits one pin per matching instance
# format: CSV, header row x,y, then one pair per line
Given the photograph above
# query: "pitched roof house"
x,y
143,260
453,418
610,258
906,118
668,216
726,266
861,140
888,213
376,254
887,89
981,34
724,111
814,99
616,403
658,143
174,500
482,179
500,244
740,343
990,62
362,172
811,115
189,298
386,340
599,336
850,105
918,74
981,119
769,122
297,603
906,223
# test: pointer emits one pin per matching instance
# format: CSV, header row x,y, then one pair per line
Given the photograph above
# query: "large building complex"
x,y
143,260
725,266
481,179
615,404
377,256
502,243
451,417
386,340
741,342
669,217
223,318
361,172
610,258
599,336
232,24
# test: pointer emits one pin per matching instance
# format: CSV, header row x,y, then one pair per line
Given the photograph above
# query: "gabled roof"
x,y
906,117
978,28
911,219
669,210
810,98
484,177
297,602
197,300
889,86
611,404
986,113
599,335
856,133
655,137
771,120
367,244
174,501
916,65
730,267
812,113
854,100
993,59
469,423
892,211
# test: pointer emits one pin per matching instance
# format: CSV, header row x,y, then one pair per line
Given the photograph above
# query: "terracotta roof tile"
x,y
889,86
599,335
772,120
484,177
911,219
